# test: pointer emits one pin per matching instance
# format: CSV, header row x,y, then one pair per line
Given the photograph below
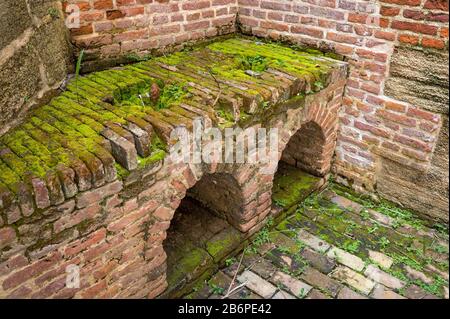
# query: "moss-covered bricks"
x,y
75,141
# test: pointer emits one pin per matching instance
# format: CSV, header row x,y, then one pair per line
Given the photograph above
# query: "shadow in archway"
x,y
200,237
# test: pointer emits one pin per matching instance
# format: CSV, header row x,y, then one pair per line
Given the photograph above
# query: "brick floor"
x,y
335,247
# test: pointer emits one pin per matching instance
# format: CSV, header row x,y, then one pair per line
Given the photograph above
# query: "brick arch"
x,y
220,193
305,149
308,135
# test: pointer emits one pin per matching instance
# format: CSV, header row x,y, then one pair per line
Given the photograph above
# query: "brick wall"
x,y
385,143
114,29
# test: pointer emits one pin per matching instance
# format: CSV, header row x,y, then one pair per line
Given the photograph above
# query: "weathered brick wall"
x,y
111,30
396,106
34,55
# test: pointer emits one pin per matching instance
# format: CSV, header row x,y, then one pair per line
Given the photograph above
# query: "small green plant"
x,y
365,215
53,13
230,261
440,249
383,242
283,250
373,228
255,63
279,203
442,229
302,293
170,94
318,86
352,246
263,236
435,288
265,104
216,289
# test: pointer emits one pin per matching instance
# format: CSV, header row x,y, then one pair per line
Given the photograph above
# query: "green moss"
x,y
69,128
222,244
291,186
153,158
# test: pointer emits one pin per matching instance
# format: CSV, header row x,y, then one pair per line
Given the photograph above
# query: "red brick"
x,y
350,39
414,27
386,35
357,18
94,290
411,3
409,39
414,14
422,114
30,271
436,5
393,106
433,43
317,33
196,5
130,35
76,218
414,154
130,12
398,118
95,196
103,4
372,129
121,3
163,213
91,16
13,263
277,6
413,143
7,236
274,26
83,6
87,29
197,25
114,14
389,11
391,146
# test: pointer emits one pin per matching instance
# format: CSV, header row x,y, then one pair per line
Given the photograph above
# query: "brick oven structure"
x,y
86,180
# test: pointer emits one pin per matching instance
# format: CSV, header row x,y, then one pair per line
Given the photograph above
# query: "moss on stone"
x,y
223,243
291,185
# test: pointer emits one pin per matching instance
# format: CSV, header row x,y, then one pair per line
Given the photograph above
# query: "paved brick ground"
x,y
335,247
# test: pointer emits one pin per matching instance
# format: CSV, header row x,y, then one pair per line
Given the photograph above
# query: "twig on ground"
x,y
235,275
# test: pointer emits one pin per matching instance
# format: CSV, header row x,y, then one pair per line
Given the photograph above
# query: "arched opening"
x,y
201,234
305,149
302,168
